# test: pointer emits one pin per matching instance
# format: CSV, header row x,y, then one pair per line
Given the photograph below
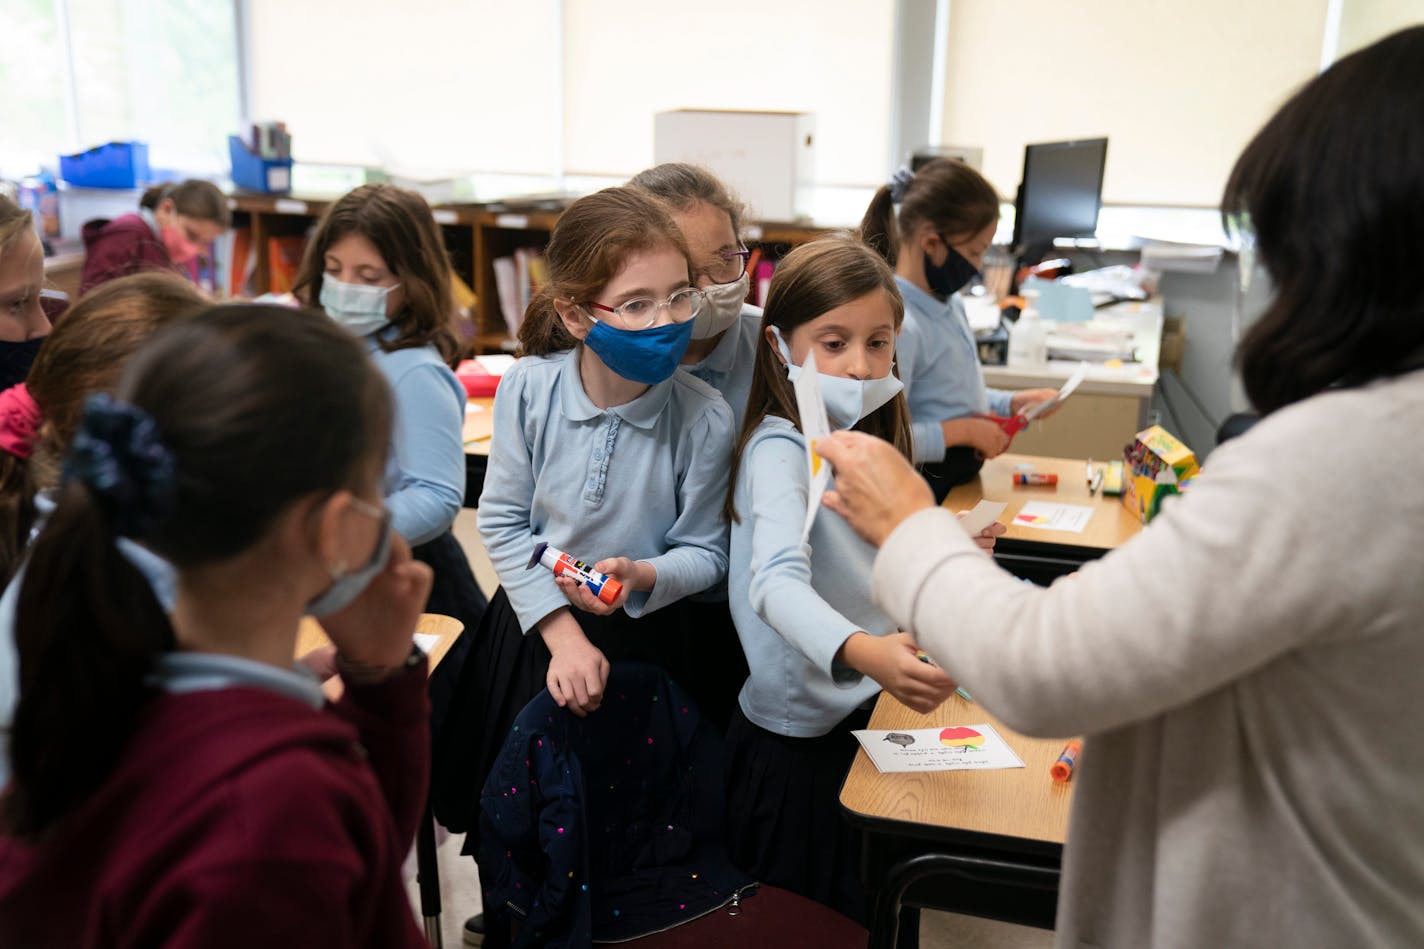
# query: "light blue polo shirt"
x,y
728,367
939,364
425,472
794,604
645,480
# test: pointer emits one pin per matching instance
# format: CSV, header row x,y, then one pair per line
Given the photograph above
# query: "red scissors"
x,y
1011,425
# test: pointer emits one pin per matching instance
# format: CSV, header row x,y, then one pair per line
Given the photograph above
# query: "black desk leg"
x,y
427,874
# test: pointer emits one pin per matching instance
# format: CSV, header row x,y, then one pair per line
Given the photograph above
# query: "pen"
x,y
1062,769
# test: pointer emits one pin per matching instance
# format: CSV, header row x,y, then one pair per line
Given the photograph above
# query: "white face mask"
x,y
723,306
358,307
847,400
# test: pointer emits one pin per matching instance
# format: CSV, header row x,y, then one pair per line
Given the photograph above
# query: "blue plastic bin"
x,y
115,165
254,173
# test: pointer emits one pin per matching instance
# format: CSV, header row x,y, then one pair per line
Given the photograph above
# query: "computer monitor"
x,y
1060,194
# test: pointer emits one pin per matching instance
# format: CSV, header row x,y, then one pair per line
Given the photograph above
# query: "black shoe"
x,y
475,930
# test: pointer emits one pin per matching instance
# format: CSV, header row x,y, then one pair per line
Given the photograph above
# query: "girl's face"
x,y
647,275
856,340
195,231
352,258
709,235
21,279
972,247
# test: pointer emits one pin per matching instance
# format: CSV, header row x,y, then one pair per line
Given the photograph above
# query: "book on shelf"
x,y
284,258
507,287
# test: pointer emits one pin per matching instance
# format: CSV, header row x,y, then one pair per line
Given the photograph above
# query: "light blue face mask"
x,y
847,400
346,587
648,356
358,307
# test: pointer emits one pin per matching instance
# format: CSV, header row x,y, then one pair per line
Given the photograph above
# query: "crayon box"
x,y
1157,466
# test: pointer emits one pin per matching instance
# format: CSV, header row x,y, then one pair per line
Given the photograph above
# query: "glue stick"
x,y
600,585
1034,477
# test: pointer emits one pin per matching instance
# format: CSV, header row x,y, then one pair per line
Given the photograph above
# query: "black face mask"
x,y
15,361
950,276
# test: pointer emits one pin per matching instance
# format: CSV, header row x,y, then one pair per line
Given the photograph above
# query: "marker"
x,y
1036,478
1062,769
600,585
963,693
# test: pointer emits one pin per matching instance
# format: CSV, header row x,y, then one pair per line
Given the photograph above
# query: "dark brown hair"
x,y
84,354
260,407
681,186
951,197
399,223
591,242
194,198
1332,188
812,280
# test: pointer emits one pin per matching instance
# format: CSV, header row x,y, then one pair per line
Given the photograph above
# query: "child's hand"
x,y
893,662
376,630
578,670
981,434
633,574
320,662
1025,399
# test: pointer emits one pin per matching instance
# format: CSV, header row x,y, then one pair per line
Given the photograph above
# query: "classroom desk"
x,y
479,426
311,636
479,429
1110,406
982,843
1041,555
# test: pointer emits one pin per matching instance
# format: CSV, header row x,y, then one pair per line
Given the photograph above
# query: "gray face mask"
x,y
346,587
724,305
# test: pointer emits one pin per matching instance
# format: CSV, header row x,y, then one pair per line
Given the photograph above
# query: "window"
x,y
79,73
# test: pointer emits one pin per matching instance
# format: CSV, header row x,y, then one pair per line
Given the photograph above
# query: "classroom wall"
x,y
626,60
1364,21
1178,88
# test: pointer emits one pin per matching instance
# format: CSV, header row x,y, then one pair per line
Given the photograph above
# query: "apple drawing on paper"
x,y
959,736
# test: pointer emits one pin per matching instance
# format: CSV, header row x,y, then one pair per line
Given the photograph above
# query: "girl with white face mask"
x,y
818,647
377,267
726,332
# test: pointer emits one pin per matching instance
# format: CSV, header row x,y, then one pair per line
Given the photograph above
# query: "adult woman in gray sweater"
x,y
1247,669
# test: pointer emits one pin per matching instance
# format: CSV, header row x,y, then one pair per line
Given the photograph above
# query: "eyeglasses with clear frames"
x,y
642,312
728,266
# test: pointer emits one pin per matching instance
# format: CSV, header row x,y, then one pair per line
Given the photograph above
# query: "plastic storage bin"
x,y
254,173
115,165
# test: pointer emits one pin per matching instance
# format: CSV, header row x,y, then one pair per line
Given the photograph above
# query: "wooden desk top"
x,y
1111,524
479,426
311,636
1020,804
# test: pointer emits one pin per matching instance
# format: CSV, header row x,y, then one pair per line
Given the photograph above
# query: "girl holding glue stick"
x,y
604,450
818,647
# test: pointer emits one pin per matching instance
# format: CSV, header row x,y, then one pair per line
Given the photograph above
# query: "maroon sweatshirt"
x,y
126,245
238,817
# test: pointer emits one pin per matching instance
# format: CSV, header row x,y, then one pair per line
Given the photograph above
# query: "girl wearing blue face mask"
x,y
377,266
947,217
818,647
604,449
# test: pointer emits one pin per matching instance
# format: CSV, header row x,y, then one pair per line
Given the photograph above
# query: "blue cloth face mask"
x,y
648,356
346,587
949,277
847,400
358,307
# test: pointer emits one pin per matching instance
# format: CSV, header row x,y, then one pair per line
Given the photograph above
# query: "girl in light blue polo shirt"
x,y
818,647
947,217
602,449
377,266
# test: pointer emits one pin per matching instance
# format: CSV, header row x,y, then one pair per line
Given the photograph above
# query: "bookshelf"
x,y
475,235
